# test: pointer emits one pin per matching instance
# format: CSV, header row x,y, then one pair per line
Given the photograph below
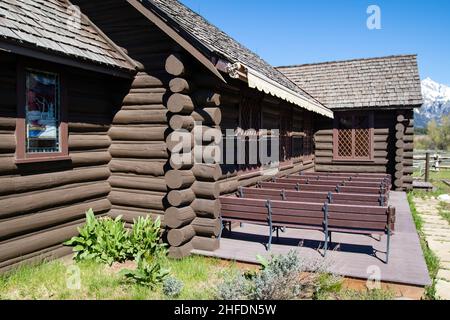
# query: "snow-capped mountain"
x,y
436,99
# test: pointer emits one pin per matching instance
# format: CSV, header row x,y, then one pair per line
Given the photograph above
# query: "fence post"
x,y
427,167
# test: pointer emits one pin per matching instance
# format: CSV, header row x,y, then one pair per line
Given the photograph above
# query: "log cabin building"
x,y
90,104
373,102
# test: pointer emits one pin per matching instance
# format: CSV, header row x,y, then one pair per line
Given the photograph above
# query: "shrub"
x,y
106,240
145,236
284,277
234,287
172,287
149,272
103,240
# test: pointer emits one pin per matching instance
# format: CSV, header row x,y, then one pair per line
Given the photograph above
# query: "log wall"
x,y
393,146
43,203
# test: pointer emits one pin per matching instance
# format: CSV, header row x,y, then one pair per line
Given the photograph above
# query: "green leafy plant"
x,y
103,240
149,272
172,287
145,236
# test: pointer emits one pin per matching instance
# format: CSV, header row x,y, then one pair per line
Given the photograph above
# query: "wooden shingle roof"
x,y
362,83
218,42
47,25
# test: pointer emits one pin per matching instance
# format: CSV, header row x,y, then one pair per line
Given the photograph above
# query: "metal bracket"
x,y
325,227
283,195
307,181
259,185
241,192
338,189
330,197
381,200
269,217
297,186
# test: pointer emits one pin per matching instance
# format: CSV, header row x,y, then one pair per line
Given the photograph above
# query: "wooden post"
x,y
427,167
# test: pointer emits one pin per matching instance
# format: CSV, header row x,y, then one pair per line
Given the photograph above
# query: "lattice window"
x,y
353,137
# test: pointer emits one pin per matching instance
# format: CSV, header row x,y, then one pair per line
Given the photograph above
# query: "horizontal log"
x,y
376,161
207,172
399,144
208,190
175,66
204,134
82,142
143,98
32,222
15,185
7,143
82,127
83,159
148,200
229,186
399,167
181,161
400,118
206,227
181,122
180,85
206,208
180,141
138,133
178,237
35,258
152,168
180,103
130,214
147,183
400,127
157,150
144,80
178,198
179,179
179,217
140,117
180,252
207,98
398,183
26,203
7,123
205,244
26,245
207,116
353,168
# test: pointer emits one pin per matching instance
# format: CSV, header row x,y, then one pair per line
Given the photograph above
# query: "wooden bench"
x,y
338,188
273,193
324,217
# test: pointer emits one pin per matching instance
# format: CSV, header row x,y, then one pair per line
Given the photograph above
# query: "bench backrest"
x,y
364,219
323,188
312,196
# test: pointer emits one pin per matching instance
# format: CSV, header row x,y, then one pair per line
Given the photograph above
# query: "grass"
x,y
444,210
431,259
436,179
49,281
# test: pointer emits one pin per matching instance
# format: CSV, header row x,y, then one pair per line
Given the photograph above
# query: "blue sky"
x,y
286,32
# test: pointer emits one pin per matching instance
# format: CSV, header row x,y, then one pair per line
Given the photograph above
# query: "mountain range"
x,y
436,104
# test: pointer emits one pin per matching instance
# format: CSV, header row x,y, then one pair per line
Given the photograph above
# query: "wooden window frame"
x,y
353,158
22,156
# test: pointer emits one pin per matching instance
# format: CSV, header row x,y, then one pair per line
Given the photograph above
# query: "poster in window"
x,y
42,110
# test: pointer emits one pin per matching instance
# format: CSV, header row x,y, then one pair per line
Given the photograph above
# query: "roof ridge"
x,y
347,61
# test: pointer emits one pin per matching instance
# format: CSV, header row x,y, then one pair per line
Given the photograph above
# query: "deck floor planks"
x,y
354,256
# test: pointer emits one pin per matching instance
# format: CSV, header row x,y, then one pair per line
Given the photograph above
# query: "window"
x,y
41,127
353,136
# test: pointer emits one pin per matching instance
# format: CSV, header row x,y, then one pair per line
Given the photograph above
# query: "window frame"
x,y
353,158
22,156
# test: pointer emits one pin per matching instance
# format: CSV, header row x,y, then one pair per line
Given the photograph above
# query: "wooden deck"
x,y
354,256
